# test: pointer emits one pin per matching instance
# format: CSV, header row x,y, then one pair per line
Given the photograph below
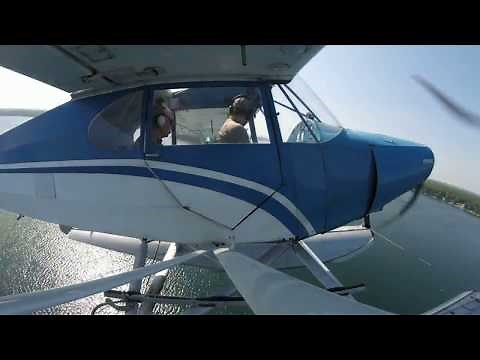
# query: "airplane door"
x,y
327,175
224,182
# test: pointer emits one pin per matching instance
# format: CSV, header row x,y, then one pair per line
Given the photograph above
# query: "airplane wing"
x,y
81,68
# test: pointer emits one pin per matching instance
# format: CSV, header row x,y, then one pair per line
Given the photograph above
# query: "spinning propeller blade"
x,y
416,194
268,291
461,113
464,115
28,303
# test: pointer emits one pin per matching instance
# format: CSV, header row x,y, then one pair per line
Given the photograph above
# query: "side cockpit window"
x,y
117,127
208,115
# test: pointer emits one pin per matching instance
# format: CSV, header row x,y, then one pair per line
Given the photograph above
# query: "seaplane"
x,y
216,157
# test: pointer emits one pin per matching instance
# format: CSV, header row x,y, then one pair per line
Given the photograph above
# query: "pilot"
x,y
240,112
163,118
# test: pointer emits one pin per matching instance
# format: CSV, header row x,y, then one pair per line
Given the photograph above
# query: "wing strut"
x,y
28,303
268,291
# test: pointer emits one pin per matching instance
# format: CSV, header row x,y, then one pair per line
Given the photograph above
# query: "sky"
x,y
19,91
368,88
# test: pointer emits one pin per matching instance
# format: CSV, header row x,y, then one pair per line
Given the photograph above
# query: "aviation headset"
x,y
248,108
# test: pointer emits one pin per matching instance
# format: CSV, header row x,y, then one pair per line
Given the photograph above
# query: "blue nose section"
x,y
399,169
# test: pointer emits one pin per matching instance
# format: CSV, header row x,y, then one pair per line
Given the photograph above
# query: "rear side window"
x,y
117,127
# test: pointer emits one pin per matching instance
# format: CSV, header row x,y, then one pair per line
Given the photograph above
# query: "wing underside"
x,y
81,68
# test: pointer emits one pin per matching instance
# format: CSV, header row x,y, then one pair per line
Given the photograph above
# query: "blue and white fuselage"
x,y
215,193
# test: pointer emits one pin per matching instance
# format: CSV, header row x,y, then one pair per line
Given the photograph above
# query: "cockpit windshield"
x,y
302,116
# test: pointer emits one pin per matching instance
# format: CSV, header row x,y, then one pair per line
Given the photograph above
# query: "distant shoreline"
x,y
453,196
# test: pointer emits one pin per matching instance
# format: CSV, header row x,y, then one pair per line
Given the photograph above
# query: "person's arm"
x,y
238,134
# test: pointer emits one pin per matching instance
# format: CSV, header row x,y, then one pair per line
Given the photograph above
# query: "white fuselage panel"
x,y
136,206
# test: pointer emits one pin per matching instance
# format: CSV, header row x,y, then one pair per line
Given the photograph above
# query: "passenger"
x,y
163,119
240,112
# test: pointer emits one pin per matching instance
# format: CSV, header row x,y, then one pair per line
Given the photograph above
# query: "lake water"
x,y
426,257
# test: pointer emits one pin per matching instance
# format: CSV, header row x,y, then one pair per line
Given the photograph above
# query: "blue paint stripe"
x,y
272,206
223,187
285,216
